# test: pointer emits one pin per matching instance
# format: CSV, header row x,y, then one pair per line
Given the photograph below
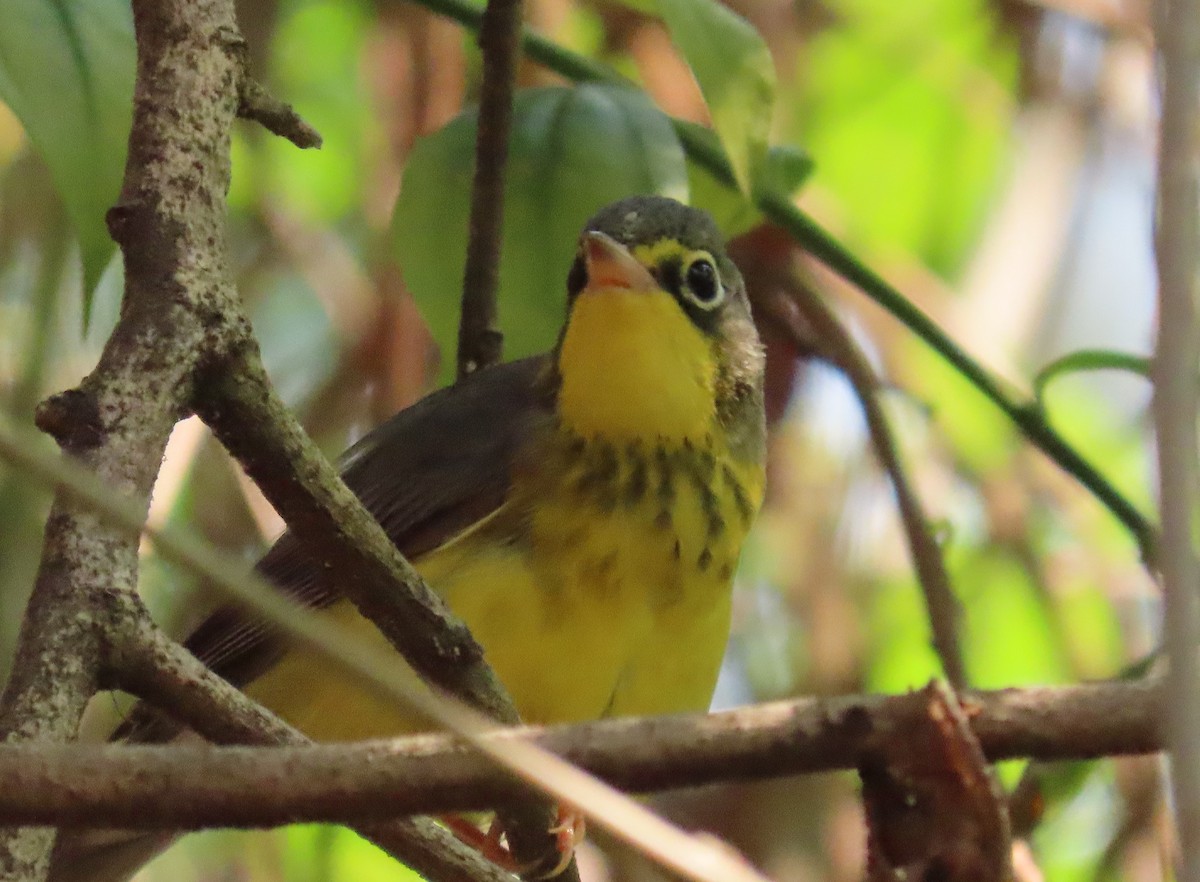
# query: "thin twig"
x,y
339,535
479,338
838,348
150,665
191,786
1176,399
480,342
1026,414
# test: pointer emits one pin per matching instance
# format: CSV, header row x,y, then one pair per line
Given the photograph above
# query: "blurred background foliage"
x,y
993,158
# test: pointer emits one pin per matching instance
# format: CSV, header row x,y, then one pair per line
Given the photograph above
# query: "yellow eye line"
x,y
656,252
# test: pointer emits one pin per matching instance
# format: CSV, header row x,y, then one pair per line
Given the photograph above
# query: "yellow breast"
x,y
634,367
601,588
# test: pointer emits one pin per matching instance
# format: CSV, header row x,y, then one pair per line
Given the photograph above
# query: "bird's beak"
x,y
610,265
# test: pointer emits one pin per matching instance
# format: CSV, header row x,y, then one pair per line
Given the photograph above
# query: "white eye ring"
x,y
701,283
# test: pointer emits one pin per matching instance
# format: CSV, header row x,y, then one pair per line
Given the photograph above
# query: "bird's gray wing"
x,y
426,474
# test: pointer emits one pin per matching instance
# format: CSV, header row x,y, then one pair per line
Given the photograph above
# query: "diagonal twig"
x,y
836,346
480,342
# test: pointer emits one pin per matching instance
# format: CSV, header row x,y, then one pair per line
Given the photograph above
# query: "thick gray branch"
x,y
169,224
197,786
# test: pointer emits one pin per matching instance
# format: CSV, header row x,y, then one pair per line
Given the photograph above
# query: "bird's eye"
x,y
702,284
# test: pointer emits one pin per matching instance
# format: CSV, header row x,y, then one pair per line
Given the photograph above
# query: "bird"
x,y
582,511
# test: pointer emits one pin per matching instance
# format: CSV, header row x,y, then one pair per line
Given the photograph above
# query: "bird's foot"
x,y
569,830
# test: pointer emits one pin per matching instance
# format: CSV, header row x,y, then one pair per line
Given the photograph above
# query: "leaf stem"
x,y
1088,360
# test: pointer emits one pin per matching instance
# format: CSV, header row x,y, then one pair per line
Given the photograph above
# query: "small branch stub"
x,y
276,116
933,808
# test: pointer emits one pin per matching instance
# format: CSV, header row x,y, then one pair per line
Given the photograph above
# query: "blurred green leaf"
x,y
1081,818
733,210
354,859
1088,360
1009,637
66,70
1104,435
981,435
901,655
736,73
908,105
786,169
309,851
1093,630
572,151
299,346
318,64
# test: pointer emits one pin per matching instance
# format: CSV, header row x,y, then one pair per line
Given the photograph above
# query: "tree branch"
x,y
163,673
340,536
168,216
250,419
480,342
479,338
276,116
933,807
177,786
1176,399
181,324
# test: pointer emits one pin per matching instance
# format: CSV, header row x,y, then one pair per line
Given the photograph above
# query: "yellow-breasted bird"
x,y
583,511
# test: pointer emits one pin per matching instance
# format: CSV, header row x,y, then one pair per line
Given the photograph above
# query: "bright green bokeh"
x,y
906,107
317,64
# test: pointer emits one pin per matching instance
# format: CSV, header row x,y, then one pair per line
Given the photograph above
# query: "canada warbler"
x,y
583,511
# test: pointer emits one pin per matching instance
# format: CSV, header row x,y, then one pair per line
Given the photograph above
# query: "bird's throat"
x,y
634,367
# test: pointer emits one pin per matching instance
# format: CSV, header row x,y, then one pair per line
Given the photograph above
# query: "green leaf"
x,y
901,652
909,107
785,170
982,437
736,74
1088,360
1009,637
572,151
66,70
